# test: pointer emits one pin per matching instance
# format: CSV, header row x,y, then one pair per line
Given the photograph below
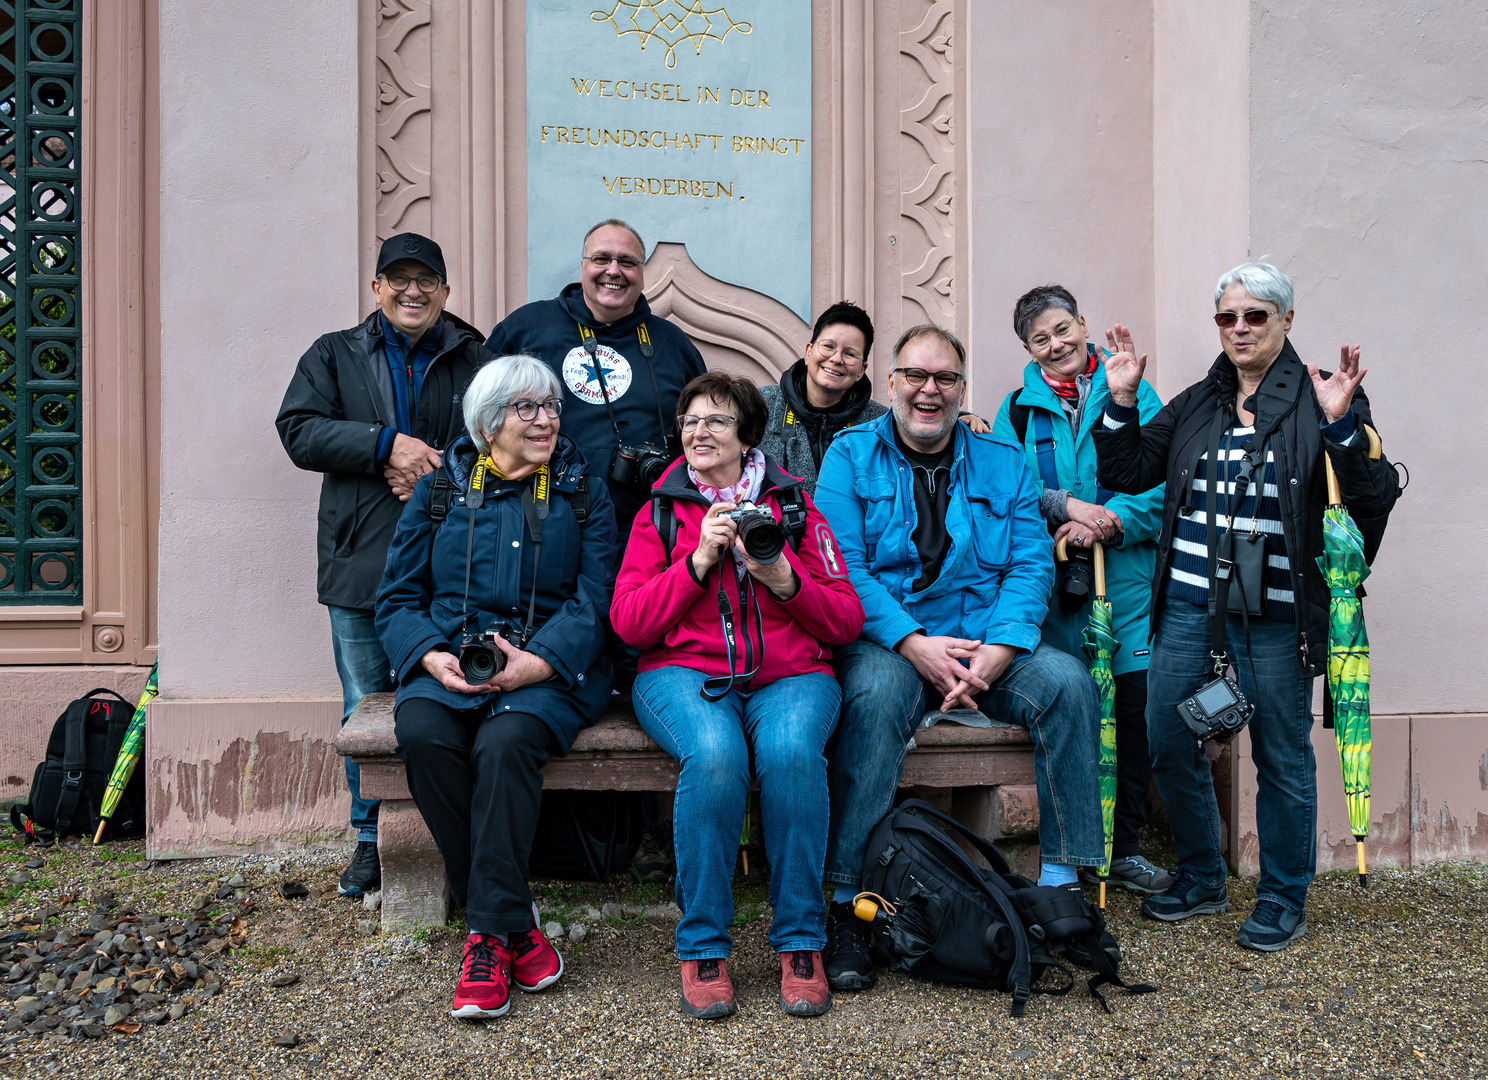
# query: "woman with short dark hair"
x,y
734,588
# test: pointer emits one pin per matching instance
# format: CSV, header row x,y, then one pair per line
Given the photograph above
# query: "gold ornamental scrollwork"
x,y
671,22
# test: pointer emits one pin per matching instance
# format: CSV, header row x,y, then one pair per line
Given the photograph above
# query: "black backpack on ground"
x,y
68,786
585,835
954,922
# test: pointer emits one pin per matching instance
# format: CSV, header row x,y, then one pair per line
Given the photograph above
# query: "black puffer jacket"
x,y
1137,457
340,399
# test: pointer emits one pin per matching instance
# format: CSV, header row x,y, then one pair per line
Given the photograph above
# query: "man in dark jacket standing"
x,y
622,368
371,408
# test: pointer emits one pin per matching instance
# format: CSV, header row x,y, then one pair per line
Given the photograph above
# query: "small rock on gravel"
x,y
35,864
273,868
611,911
203,900
179,1009
367,926
293,890
237,881
553,930
577,933
115,1014
288,979
224,891
20,877
372,901
287,1040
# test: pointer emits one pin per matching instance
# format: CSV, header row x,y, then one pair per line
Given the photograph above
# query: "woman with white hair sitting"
x,y
493,611
1237,583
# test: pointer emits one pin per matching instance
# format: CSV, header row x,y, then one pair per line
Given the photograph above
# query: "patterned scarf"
x,y
1070,391
744,489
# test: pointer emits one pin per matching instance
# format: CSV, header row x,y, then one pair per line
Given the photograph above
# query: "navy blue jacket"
x,y
418,605
549,330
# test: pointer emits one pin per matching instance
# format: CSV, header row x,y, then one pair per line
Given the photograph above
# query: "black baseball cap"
x,y
410,245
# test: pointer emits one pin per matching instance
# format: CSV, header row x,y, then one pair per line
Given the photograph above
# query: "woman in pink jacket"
x,y
736,615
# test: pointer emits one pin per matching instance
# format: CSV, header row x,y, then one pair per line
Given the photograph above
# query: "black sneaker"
x,y
364,875
1271,927
849,967
1134,874
1187,897
651,863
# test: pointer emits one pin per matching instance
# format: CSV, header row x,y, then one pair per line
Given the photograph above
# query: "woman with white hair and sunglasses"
x,y
493,611
1238,602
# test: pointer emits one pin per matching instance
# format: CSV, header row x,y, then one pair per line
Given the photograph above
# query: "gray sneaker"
x,y
1134,874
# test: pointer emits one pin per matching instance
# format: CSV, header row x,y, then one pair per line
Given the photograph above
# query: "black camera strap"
x,y
1222,548
536,502
717,687
591,346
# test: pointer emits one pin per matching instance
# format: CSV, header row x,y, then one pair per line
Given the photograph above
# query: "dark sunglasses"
x,y
1254,317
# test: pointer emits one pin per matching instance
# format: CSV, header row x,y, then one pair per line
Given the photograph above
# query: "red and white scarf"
x,y
744,489
1070,391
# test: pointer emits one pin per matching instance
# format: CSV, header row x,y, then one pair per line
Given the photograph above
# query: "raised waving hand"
x,y
1123,367
1336,393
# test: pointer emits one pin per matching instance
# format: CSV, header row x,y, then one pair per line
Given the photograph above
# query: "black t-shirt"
x,y
932,497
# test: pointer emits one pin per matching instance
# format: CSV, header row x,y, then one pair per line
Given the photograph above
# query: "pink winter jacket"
x,y
662,609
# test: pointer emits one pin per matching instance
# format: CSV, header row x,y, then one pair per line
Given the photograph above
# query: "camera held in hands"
x,y
1075,579
761,534
481,660
639,463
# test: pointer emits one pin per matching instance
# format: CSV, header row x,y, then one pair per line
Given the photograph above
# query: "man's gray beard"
x,y
901,425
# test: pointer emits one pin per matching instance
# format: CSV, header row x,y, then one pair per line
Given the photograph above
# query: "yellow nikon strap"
x,y
541,491
591,346
790,417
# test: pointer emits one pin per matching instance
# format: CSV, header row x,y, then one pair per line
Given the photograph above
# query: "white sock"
x,y
843,894
1056,874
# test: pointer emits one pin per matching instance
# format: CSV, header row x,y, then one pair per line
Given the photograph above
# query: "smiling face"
x,y
1252,349
926,415
717,456
611,291
834,362
522,445
410,309
1056,341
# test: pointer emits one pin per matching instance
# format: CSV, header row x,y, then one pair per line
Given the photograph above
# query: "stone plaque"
x,y
690,119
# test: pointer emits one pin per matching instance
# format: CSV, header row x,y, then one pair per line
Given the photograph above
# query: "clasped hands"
x,y
719,532
957,667
522,669
409,460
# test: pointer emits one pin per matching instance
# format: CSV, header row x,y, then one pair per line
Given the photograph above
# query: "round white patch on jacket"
x,y
582,380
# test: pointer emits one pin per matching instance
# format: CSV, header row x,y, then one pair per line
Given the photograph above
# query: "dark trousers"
x,y
477,781
1133,763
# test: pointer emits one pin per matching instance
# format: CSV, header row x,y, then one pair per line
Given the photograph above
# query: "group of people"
x,y
799,578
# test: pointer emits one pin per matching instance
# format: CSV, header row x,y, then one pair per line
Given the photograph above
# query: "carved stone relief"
x,y
403,108
927,162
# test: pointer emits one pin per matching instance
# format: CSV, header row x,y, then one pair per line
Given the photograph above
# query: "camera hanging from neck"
x,y
536,502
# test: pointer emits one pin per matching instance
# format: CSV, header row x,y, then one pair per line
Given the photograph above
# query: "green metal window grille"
x,y
41,532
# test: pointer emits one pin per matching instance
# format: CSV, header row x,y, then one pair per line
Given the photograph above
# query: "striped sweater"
x,y
1188,572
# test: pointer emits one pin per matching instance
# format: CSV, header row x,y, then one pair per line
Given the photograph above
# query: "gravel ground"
x,y
1389,982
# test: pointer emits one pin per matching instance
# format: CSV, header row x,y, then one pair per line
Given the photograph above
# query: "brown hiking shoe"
x,y
707,993
803,984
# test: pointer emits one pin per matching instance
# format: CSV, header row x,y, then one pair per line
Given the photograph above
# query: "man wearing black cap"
x,y
371,408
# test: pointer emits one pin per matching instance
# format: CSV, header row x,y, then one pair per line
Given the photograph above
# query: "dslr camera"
x,y
762,535
480,658
1217,710
1075,579
639,463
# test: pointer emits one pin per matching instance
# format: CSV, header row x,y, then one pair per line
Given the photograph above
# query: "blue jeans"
x,y
1280,739
364,669
785,727
883,697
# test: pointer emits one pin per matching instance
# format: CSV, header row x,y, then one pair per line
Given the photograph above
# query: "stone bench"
x,y
984,776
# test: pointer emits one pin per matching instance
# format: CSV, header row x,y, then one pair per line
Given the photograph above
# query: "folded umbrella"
x,y
129,755
1344,568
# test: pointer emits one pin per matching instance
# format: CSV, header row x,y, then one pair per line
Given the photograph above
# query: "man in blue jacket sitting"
x,y
942,537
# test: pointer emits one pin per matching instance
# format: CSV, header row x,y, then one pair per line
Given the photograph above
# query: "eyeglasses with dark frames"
x,y
717,423
601,259
1253,317
426,282
917,377
526,408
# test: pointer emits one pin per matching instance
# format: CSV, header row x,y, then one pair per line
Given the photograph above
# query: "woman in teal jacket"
x,y
1062,398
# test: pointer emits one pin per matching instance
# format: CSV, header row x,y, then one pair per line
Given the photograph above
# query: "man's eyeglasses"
x,y
717,423
426,282
1254,317
916,377
526,408
602,259
829,348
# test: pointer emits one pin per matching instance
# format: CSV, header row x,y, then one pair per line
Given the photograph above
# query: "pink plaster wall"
x,y
1059,122
258,256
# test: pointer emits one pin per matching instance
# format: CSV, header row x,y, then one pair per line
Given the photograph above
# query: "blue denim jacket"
x,y
994,583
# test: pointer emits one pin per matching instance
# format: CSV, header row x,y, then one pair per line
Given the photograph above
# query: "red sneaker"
x,y
707,992
803,984
535,963
483,992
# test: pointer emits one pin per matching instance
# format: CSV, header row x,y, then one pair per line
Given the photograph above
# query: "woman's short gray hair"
x,y
1261,280
497,384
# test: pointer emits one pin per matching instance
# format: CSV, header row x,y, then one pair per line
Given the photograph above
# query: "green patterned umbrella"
x,y
129,755
1344,569
1100,646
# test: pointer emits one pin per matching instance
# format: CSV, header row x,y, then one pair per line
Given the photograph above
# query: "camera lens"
x,y
651,467
763,538
480,663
